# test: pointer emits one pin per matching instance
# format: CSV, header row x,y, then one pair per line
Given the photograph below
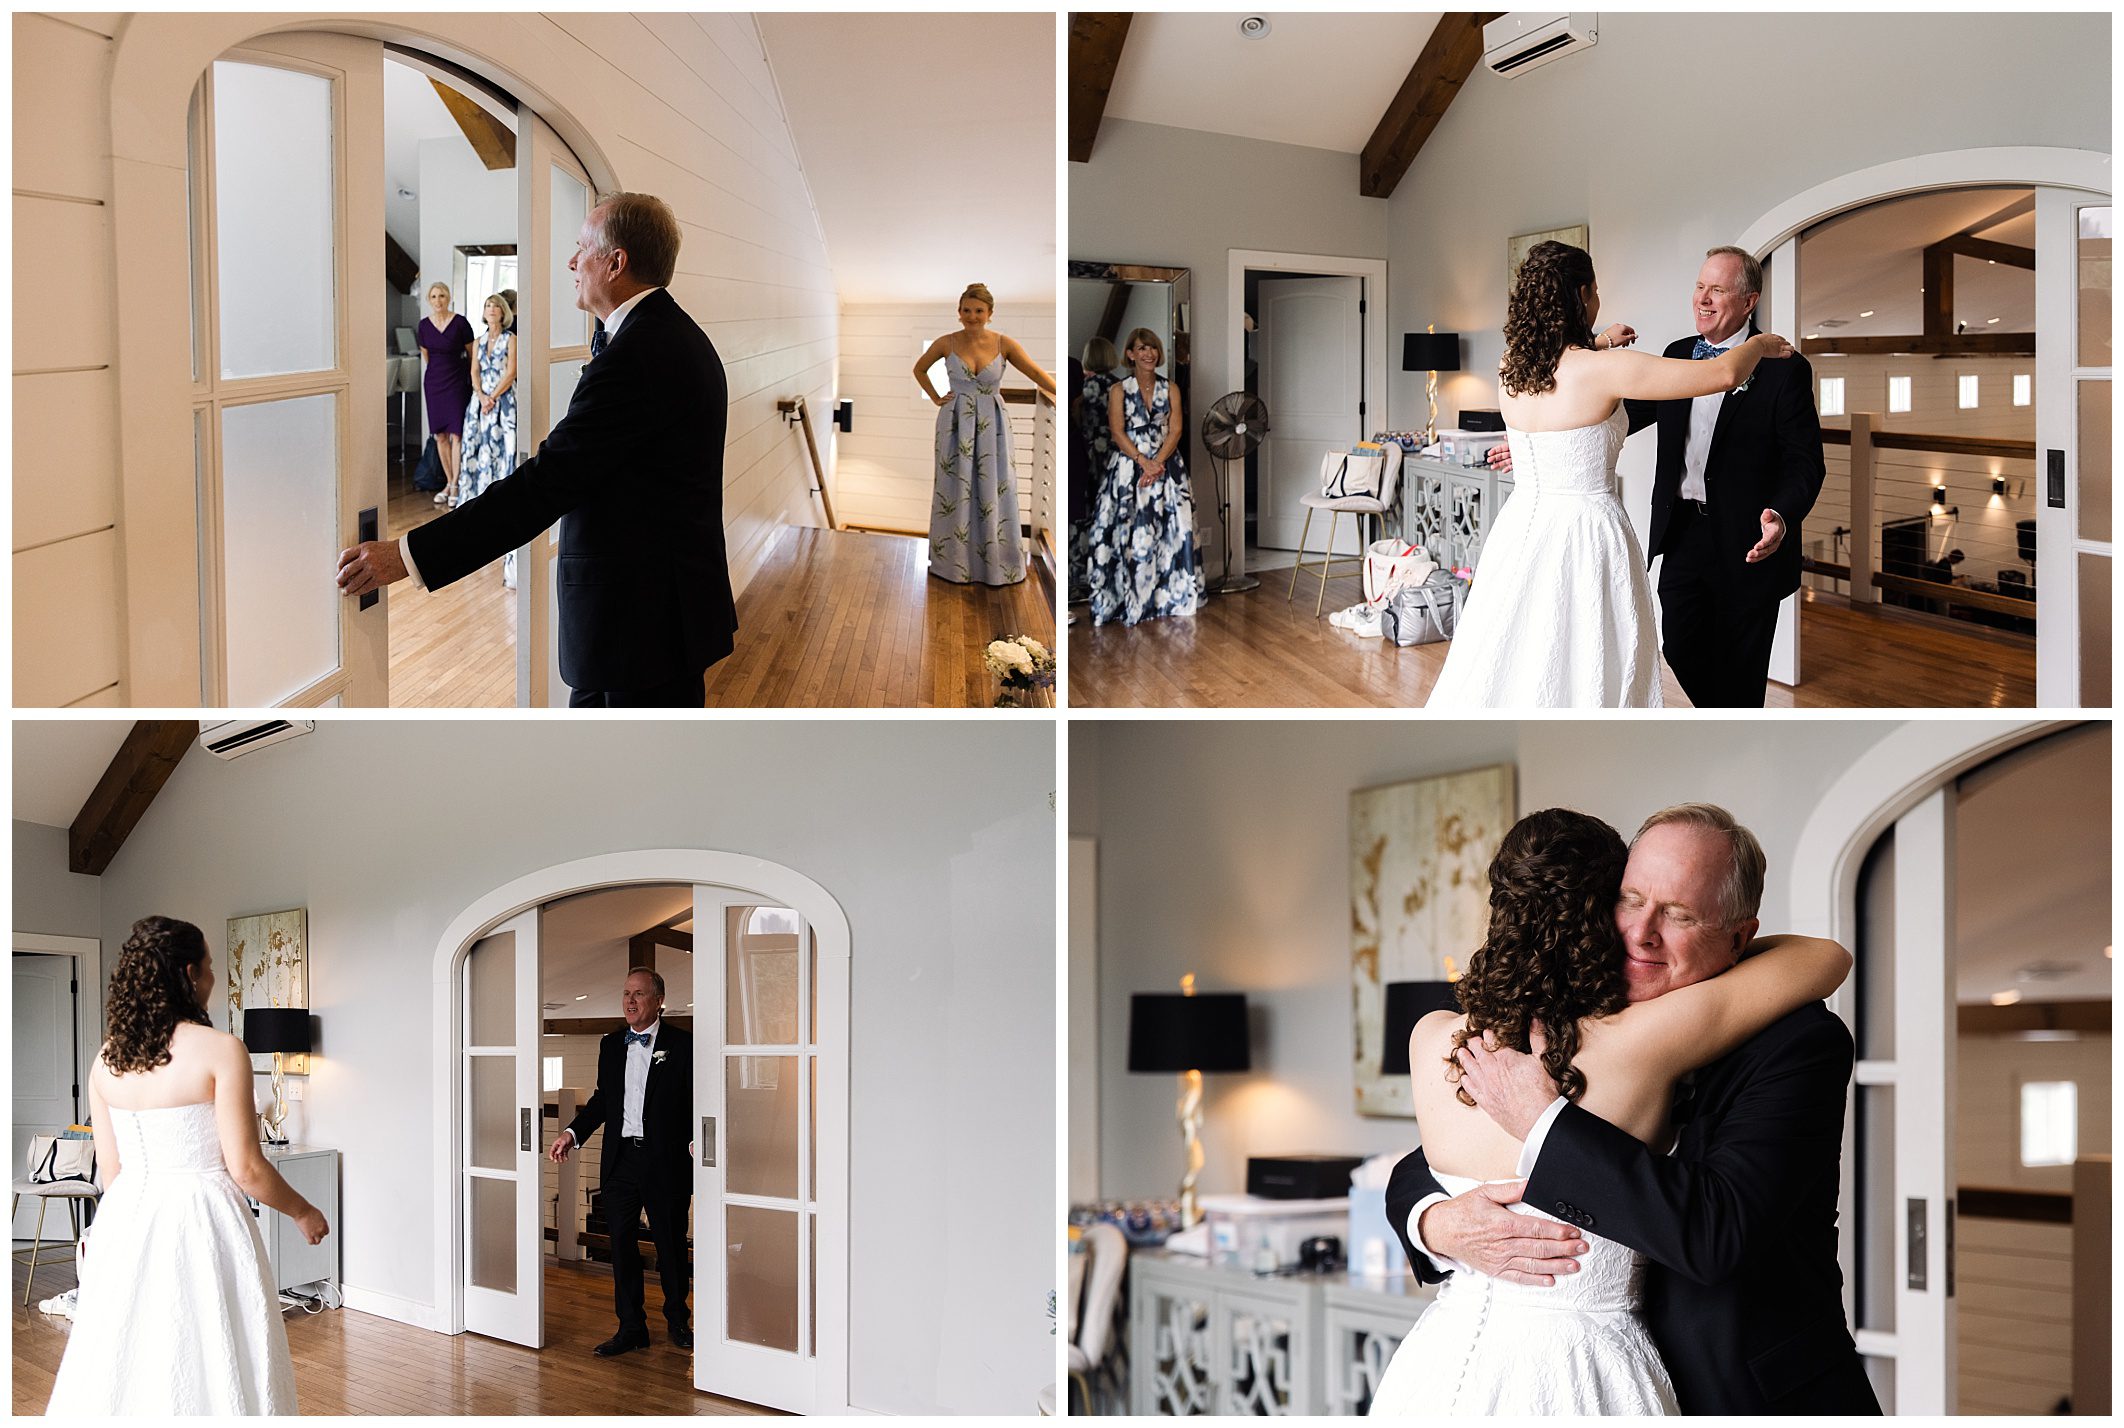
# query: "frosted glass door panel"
x,y
494,1142
490,969
280,542
761,1247
564,377
760,1125
2094,630
2094,287
274,220
760,1002
570,325
493,1234
2094,460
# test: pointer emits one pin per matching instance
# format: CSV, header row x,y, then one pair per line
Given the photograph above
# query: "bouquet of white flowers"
x,y
1023,664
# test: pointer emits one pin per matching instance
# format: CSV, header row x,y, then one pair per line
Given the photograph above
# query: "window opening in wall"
x,y
1832,400
1966,391
2023,389
550,1071
2050,1122
1898,394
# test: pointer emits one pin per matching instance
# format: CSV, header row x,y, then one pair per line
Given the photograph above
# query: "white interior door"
x,y
1901,1271
47,1094
553,199
1309,345
2073,540
756,1187
287,388
503,1230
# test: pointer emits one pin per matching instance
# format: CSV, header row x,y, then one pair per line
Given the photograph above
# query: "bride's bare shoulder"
x,y
1433,1034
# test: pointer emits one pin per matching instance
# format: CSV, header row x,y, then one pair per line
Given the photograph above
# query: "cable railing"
x,y
1035,452
1942,524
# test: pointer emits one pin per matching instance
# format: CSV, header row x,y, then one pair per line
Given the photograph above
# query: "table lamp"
x,y
279,1032
1431,352
1188,1034
1406,1004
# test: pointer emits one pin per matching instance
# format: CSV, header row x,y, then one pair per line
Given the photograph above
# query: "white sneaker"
x,y
61,1305
1365,622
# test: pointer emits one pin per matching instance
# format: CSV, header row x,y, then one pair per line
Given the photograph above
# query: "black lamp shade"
x,y
1406,1004
1430,352
1168,1031
270,1029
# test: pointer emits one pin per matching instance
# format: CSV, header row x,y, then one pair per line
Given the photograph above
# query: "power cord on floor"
x,y
327,1296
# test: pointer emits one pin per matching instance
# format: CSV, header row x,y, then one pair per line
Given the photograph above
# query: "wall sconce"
x,y
844,416
1998,485
1939,497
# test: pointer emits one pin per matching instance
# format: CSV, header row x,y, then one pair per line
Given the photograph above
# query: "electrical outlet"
x,y
296,1088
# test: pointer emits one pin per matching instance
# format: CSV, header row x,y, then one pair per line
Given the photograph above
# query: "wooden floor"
x,y
1254,650
350,1362
842,619
453,648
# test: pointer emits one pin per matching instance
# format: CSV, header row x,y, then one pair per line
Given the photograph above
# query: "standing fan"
x,y
1232,428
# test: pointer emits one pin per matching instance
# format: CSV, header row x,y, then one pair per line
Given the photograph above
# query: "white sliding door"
x,y
499,1157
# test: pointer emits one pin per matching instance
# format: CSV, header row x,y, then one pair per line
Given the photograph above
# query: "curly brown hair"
x,y
1545,316
1553,952
151,993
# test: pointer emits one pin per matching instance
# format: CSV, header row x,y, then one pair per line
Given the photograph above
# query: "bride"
x,y
1560,610
177,1312
1554,961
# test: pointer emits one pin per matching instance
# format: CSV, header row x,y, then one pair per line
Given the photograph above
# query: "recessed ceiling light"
x,y
1990,321
2004,999
1254,27
584,997
1812,335
1867,313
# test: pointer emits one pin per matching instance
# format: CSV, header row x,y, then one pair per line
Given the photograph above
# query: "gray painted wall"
x,y
48,898
1224,850
386,830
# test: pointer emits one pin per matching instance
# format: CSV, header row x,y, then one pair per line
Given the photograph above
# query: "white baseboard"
x,y
390,1306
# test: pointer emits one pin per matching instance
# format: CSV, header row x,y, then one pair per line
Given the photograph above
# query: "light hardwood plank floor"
x,y
1256,650
350,1362
453,648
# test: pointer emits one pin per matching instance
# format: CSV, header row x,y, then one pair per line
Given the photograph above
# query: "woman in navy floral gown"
x,y
1143,561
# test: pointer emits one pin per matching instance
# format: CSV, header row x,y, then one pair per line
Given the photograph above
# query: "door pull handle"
x,y
708,1142
526,1122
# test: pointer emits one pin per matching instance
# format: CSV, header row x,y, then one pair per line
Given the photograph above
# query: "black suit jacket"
x,y
667,1104
1765,451
634,475
1744,1296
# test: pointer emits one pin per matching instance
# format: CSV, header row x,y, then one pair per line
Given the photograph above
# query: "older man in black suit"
x,y
644,1103
634,475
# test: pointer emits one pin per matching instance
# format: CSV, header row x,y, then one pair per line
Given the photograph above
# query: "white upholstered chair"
x,y
1337,506
1093,1337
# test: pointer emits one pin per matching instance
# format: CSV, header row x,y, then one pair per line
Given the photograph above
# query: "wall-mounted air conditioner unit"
x,y
1513,44
233,738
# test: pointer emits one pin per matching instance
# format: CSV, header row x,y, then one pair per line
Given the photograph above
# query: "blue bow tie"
x,y
639,1036
1704,349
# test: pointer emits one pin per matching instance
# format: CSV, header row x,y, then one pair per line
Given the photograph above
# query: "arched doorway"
x,y
1899,1181
2072,374
221,598
800,1361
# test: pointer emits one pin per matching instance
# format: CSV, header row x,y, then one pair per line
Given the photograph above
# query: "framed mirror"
x,y
1111,300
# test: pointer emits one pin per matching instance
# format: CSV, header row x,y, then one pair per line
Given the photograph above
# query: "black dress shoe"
x,y
680,1338
621,1343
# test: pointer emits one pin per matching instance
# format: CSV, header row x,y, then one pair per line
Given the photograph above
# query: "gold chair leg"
x,y
43,1201
1327,559
1299,564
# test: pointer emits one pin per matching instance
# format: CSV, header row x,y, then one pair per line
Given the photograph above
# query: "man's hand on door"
x,y
370,566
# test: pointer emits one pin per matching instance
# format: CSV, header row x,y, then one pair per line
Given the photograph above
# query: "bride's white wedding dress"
x,y
1560,612
177,1312
1488,1348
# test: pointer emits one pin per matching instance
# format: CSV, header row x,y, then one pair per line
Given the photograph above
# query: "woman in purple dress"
x,y
446,352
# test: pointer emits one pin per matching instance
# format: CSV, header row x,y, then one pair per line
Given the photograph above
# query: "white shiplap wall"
x,y
683,106
2014,1279
886,469
1904,480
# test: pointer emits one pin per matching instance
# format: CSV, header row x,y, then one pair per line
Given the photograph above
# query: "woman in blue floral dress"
x,y
1102,369
490,417
1143,561
973,515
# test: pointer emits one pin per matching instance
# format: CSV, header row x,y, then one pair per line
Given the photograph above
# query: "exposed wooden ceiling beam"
x,y
1963,245
1448,58
489,137
1967,344
1981,1020
142,765
1095,41
401,269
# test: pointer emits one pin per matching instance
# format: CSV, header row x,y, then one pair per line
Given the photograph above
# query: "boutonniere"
x,y
657,1059
1744,386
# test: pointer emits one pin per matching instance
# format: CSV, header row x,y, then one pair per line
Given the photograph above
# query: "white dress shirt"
x,y
638,1059
1703,423
612,327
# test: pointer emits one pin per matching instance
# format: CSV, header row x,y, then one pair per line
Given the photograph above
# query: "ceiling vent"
x,y
1513,44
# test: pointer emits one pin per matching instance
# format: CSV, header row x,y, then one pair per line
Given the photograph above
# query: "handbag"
x,y
57,1158
428,473
1423,613
1351,473
1391,564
